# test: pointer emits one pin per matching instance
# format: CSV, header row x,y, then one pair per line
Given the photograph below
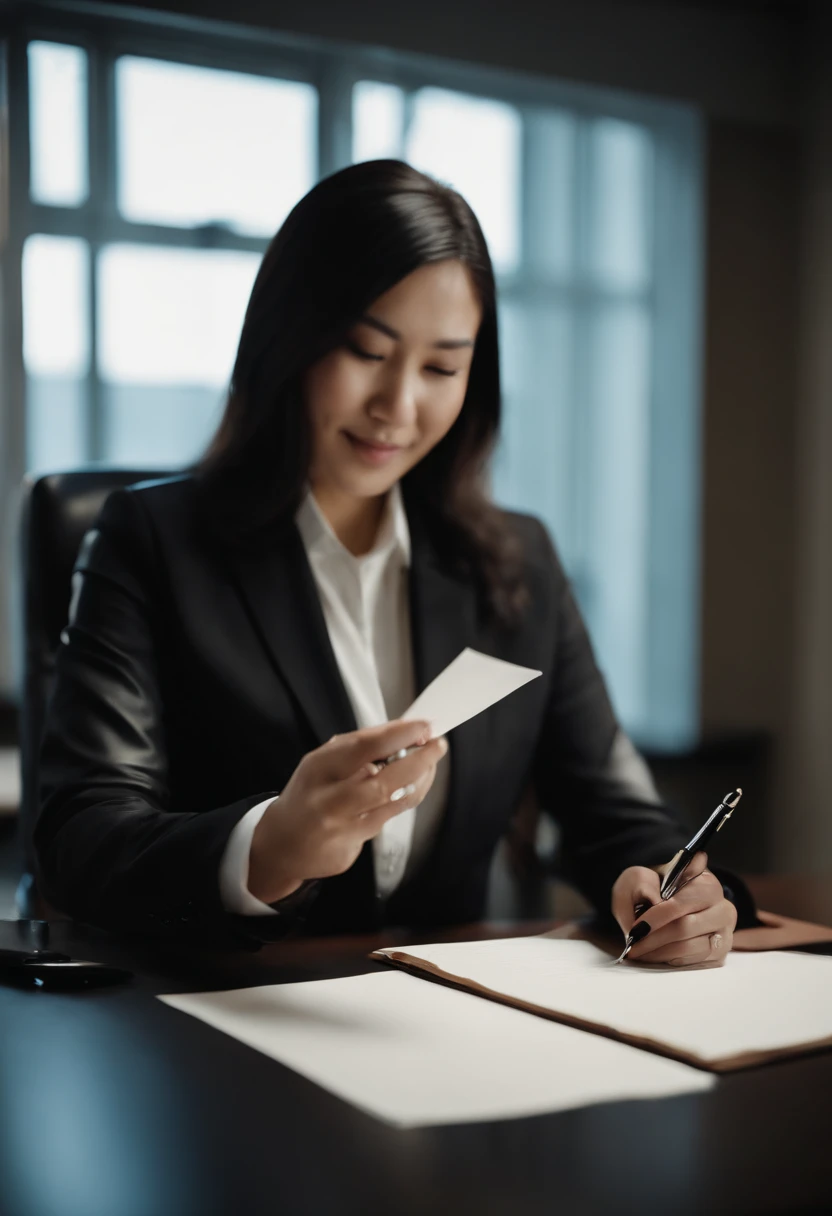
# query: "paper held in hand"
x,y
467,686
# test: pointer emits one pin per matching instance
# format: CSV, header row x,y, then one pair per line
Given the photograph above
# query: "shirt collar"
x,y
319,538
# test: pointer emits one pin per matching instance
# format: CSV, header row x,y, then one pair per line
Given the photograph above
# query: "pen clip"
x,y
730,807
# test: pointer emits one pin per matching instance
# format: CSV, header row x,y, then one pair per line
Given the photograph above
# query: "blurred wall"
x,y
733,57
804,828
749,471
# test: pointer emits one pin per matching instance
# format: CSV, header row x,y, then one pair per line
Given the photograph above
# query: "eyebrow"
x,y
443,344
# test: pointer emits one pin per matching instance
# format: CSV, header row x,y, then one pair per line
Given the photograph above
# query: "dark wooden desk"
x,y
112,1104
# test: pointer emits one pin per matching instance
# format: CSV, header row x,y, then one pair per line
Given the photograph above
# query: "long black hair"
x,y
350,239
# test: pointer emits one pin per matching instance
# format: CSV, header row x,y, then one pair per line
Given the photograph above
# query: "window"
x,y
169,320
198,146
56,349
566,200
200,156
155,185
57,126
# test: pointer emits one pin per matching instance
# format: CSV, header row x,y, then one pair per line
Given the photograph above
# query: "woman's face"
x,y
381,401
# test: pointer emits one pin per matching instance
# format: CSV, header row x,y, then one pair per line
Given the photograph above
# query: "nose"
x,y
396,403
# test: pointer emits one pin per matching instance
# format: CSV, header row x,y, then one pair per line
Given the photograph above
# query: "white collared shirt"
x,y
366,607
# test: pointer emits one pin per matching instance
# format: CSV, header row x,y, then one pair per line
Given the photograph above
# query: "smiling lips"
x,y
373,453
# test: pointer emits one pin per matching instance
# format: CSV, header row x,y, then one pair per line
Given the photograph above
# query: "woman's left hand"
x,y
693,928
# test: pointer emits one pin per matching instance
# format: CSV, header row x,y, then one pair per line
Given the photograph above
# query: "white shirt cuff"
x,y
234,891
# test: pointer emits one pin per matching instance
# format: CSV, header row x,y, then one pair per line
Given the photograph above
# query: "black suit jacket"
x,y
191,680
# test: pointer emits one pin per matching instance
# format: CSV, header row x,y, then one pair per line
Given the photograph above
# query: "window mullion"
x,y
529,187
68,221
15,87
102,210
335,82
14,103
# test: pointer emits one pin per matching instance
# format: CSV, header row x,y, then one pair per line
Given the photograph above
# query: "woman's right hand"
x,y
335,800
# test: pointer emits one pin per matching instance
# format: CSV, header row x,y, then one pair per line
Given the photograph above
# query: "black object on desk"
x,y
26,958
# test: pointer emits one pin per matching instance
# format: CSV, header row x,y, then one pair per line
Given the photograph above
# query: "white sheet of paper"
x,y
416,1054
755,1002
468,685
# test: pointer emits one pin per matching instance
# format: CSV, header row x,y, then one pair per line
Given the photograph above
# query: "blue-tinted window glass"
x,y
55,304
57,123
169,324
56,350
377,121
617,506
620,214
474,146
551,143
534,464
201,146
56,423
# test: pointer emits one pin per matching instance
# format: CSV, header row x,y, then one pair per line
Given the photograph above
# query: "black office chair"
x,y
57,510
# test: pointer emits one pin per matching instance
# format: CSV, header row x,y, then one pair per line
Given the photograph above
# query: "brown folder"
x,y
780,933
776,933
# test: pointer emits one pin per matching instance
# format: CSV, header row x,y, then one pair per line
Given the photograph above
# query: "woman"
x,y
243,638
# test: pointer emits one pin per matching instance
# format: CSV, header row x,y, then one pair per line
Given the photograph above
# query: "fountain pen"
x,y
676,870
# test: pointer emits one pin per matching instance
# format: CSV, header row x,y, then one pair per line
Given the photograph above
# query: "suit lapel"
x,y
443,612
279,589
442,609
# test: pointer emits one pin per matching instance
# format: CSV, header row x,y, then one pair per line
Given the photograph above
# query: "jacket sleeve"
x,y
593,781
587,773
111,850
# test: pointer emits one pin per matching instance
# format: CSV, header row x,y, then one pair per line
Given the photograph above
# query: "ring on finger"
x,y
399,755
402,792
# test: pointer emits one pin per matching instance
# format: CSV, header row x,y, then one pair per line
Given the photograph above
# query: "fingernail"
x,y
402,792
443,744
638,932
372,769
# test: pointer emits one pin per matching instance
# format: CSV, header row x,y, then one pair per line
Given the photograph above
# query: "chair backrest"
x,y
57,510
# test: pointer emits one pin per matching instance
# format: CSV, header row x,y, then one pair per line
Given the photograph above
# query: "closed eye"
x,y
363,354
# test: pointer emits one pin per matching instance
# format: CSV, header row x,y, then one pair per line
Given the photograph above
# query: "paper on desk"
x,y
756,1006
467,686
416,1054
